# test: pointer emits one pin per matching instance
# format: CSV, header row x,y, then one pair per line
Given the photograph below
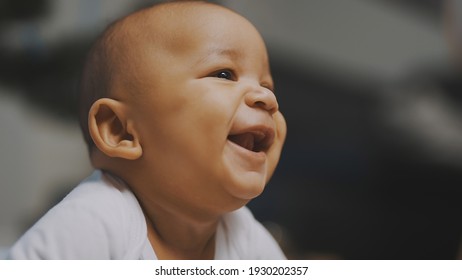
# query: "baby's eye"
x,y
225,74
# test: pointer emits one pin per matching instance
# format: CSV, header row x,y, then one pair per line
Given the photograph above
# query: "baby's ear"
x,y
112,131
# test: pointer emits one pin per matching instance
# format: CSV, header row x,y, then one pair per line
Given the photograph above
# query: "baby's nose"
x,y
263,98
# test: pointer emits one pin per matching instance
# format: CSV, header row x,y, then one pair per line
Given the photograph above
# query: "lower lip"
x,y
248,154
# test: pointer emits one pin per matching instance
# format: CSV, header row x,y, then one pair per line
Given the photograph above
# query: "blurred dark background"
x,y
372,166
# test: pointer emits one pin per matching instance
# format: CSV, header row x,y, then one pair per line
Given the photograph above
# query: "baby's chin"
x,y
246,187
245,172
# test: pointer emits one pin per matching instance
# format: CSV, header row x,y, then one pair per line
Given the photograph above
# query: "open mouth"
x,y
255,141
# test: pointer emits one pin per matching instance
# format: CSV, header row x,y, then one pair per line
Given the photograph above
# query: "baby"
x,y
183,128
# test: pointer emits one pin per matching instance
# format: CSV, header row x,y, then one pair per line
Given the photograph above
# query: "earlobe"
x,y
112,131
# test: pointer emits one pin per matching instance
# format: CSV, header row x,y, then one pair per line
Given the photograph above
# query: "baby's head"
x,y
177,100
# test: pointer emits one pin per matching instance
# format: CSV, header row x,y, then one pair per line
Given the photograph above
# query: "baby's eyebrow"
x,y
220,53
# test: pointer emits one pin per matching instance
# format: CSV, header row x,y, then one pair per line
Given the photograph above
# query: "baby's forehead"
x,y
181,30
177,26
172,20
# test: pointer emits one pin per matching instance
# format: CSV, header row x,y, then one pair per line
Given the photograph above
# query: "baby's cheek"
x,y
274,152
281,127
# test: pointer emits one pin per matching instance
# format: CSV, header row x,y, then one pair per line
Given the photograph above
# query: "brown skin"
x,y
184,84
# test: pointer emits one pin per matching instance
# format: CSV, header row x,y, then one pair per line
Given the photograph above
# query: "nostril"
x,y
260,104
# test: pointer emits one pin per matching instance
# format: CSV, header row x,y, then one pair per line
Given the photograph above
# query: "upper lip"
x,y
255,138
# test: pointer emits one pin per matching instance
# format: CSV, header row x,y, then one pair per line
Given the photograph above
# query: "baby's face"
x,y
206,114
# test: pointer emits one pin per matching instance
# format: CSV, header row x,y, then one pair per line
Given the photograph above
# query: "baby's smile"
x,y
249,140
255,139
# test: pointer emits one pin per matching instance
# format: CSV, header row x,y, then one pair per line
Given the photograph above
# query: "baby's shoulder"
x,y
105,200
97,220
99,195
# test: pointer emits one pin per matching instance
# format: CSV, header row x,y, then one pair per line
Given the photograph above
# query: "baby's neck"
x,y
176,232
174,236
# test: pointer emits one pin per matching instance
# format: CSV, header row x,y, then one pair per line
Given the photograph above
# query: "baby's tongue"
x,y
245,140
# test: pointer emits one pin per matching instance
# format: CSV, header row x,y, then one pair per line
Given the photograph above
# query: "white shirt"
x,y
102,219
